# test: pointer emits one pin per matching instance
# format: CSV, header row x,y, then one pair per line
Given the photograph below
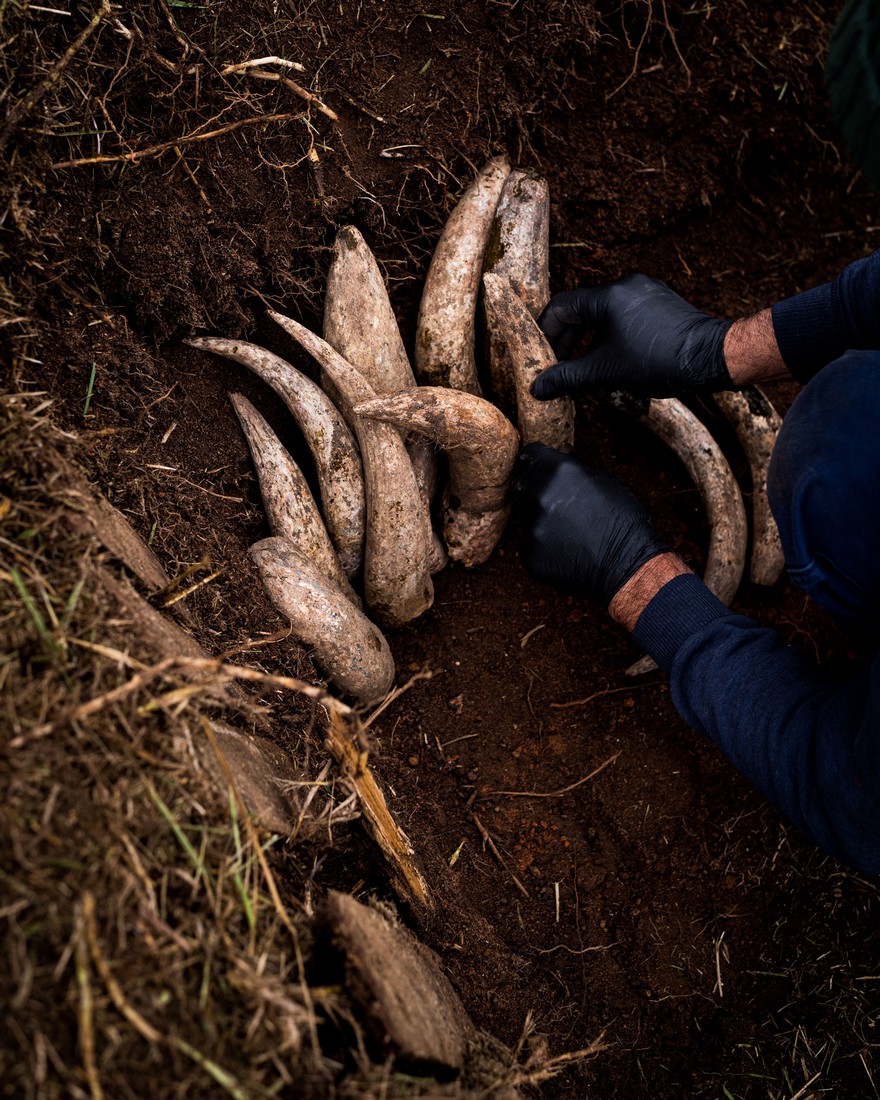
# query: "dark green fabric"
x,y
853,75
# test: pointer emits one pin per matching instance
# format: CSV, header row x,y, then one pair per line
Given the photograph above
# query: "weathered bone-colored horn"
x,y
482,446
446,323
519,249
397,585
528,353
337,462
680,429
290,506
349,649
359,323
757,424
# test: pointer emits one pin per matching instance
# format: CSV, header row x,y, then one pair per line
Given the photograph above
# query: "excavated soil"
x,y
658,899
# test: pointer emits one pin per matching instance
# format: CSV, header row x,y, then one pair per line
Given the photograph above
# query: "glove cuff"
x,y
704,366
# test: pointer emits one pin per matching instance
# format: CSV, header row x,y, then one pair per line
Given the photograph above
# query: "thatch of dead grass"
x,y
144,951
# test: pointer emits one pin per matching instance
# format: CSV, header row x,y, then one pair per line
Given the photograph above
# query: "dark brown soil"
x,y
661,900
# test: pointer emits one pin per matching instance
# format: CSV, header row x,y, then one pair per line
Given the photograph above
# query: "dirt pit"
x,y
595,865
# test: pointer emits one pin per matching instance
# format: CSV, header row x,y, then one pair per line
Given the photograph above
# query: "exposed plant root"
x,y
184,139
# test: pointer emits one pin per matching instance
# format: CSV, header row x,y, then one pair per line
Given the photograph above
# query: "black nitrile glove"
x,y
647,340
584,532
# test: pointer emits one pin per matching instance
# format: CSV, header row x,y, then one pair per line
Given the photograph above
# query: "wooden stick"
x,y
258,61
345,737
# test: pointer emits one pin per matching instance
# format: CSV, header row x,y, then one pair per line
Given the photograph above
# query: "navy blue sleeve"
x,y
816,327
811,747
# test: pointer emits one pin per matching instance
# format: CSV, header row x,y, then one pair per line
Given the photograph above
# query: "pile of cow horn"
x,y
374,432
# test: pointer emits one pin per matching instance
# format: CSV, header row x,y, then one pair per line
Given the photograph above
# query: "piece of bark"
x,y
259,767
408,1002
164,638
92,515
158,632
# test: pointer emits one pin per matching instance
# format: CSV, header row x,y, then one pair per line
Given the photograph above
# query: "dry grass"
x,y
141,939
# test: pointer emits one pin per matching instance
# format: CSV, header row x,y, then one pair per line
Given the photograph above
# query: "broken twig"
x,y
188,139
299,90
488,840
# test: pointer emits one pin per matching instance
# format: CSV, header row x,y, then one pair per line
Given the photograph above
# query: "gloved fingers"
x,y
568,314
532,465
570,376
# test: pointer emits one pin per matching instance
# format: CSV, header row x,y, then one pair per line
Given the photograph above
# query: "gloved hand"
x,y
647,340
584,532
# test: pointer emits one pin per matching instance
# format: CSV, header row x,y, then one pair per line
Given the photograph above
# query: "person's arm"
x,y
811,747
816,327
648,340
752,353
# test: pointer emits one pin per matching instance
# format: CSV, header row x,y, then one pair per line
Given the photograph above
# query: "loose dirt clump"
x,y
593,867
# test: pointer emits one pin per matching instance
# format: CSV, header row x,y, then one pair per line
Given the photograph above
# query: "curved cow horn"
x,y
680,429
290,506
351,651
528,353
446,323
360,324
397,585
519,249
482,446
757,424
337,462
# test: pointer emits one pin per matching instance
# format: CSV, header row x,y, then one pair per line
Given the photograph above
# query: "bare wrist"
x,y
633,597
751,351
